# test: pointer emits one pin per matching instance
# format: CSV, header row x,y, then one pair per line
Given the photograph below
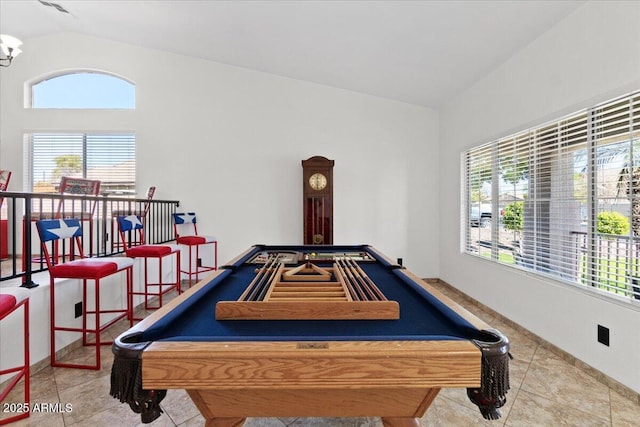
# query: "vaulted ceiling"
x,y
420,52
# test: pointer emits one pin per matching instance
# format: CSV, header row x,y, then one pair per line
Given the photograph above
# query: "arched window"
x,y
108,155
84,90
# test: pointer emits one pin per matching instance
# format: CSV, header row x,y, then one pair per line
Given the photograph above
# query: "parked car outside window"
x,y
479,217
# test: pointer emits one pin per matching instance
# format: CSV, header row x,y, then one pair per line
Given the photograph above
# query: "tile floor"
x,y
546,391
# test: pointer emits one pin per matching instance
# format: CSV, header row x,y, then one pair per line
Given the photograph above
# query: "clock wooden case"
x,y
317,189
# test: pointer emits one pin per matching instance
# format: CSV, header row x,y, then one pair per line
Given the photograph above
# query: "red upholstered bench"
x,y
12,299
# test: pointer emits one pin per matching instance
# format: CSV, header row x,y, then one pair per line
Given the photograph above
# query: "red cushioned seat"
x,y
191,240
84,269
149,251
7,302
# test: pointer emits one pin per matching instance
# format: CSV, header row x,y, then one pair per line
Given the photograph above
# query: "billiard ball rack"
x,y
310,292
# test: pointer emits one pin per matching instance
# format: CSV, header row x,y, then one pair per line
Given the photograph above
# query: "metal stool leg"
x,y
22,371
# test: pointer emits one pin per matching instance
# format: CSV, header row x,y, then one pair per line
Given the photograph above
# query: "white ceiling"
x,y
421,52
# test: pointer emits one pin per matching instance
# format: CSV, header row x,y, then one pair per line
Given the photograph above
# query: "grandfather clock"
x,y
317,189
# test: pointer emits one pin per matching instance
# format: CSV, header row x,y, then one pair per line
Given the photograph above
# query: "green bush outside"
x,y
513,216
612,223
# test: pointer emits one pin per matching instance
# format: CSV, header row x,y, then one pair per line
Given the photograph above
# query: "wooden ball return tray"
x,y
309,292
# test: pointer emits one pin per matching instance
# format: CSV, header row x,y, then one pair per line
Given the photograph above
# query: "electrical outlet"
x,y
78,309
603,335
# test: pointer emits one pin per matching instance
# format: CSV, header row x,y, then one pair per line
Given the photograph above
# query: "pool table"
x,y
308,367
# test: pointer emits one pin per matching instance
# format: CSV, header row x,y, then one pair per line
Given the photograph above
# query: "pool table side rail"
x,y
295,365
457,308
382,257
244,256
157,315
461,311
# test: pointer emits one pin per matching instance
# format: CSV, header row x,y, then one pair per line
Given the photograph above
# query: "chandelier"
x,y
9,46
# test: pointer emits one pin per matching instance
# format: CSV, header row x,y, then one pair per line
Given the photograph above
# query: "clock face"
x,y
318,181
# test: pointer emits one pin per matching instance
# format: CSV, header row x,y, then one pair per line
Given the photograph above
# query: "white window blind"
x,y
108,157
563,198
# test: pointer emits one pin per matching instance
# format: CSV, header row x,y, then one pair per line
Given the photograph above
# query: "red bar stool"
x,y
142,211
85,269
82,209
11,299
135,247
186,222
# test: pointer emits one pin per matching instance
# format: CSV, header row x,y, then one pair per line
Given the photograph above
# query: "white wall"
x,y
228,143
592,55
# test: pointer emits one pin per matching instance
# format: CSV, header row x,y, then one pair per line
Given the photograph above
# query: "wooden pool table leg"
x,y
224,422
401,421
413,421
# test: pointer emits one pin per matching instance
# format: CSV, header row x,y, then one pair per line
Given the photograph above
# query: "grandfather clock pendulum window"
x,y
317,187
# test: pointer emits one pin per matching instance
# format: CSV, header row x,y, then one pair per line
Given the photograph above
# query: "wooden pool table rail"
x,y
325,365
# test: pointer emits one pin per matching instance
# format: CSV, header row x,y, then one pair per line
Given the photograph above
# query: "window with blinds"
x,y
562,199
108,157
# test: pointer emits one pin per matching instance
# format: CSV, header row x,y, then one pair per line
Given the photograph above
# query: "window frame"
x,y
103,140
29,100
554,145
